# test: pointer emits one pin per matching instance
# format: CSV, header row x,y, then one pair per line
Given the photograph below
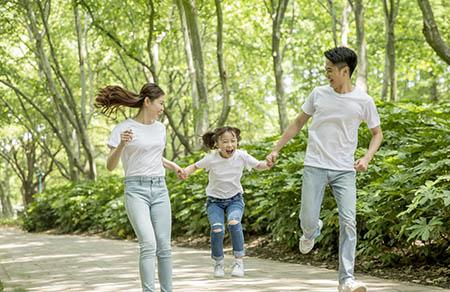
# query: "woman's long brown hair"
x,y
110,98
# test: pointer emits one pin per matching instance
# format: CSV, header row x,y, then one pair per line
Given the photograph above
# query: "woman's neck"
x,y
145,118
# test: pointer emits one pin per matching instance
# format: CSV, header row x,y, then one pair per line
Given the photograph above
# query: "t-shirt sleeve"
x,y
250,162
205,162
114,138
371,116
308,106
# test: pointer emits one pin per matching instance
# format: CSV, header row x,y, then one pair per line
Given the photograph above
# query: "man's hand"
x,y
271,159
361,164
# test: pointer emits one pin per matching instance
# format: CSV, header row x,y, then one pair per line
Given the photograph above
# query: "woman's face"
x,y
227,144
156,106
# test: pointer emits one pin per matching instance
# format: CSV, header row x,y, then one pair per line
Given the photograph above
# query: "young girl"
x,y
224,192
140,143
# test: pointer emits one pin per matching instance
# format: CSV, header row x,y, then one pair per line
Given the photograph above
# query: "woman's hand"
x,y
126,136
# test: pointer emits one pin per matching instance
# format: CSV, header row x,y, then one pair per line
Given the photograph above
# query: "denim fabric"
x,y
343,185
234,209
148,208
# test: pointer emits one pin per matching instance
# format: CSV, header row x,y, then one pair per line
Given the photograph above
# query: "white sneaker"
x,y
219,269
352,286
306,245
238,269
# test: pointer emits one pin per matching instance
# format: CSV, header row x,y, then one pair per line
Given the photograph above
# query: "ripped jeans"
x,y
343,185
234,209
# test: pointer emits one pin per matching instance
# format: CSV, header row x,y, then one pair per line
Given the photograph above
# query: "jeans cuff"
x,y
217,258
239,253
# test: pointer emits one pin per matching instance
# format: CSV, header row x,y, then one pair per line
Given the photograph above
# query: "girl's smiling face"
x,y
227,144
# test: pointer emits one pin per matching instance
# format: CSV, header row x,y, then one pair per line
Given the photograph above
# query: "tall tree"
x,y
389,78
332,11
278,9
345,24
222,71
66,121
189,19
361,77
431,32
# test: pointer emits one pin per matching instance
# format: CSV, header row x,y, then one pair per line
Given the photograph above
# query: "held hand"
x,y
126,136
271,159
361,164
180,173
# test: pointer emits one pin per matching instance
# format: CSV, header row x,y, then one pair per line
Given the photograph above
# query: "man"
x,y
337,110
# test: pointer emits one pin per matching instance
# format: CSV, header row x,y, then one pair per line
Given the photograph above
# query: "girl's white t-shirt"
x,y
224,174
333,133
143,155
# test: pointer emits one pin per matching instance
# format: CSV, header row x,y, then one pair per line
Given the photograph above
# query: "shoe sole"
x,y
306,252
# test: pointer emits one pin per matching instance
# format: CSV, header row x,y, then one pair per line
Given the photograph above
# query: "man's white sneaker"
x,y
238,269
219,269
306,245
352,286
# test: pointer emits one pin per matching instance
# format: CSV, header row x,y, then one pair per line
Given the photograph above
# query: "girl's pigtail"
x,y
208,140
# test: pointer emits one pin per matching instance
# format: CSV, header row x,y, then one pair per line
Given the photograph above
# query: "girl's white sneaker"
x,y
219,269
238,269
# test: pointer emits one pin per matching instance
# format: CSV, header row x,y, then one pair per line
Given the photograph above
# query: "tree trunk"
x,y
333,21
6,210
345,24
221,63
361,77
277,20
188,16
431,32
389,77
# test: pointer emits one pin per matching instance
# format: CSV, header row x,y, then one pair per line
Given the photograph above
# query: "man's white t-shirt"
x,y
333,133
224,174
143,155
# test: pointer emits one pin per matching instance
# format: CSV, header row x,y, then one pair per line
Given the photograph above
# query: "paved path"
x,y
40,262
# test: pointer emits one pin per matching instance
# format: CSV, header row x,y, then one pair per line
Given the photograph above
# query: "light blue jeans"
x,y
343,185
234,209
148,208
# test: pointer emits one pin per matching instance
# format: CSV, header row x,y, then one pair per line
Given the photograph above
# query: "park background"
x,y
248,64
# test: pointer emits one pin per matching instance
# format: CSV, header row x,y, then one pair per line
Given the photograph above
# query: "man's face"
x,y
336,74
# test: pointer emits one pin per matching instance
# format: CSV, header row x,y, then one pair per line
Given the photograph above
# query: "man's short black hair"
x,y
342,55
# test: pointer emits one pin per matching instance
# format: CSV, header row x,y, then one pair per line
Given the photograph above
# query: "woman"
x,y
139,142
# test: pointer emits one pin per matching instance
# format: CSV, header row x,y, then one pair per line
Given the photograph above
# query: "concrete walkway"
x,y
40,262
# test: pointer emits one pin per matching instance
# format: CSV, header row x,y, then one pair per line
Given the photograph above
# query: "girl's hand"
x,y
126,136
180,172
272,158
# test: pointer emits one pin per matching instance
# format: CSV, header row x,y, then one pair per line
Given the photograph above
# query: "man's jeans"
x,y
216,209
148,208
343,186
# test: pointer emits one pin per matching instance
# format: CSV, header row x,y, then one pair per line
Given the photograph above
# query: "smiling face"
x,y
227,144
337,74
155,107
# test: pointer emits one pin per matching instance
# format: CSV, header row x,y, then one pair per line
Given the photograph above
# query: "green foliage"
x,y
81,207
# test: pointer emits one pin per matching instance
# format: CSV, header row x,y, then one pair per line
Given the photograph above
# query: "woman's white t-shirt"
x,y
224,174
143,155
333,133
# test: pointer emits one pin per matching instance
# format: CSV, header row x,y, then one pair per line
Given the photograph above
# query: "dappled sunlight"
x,y
40,262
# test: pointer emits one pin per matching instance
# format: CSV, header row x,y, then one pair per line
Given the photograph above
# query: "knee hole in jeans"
x,y
217,227
233,222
